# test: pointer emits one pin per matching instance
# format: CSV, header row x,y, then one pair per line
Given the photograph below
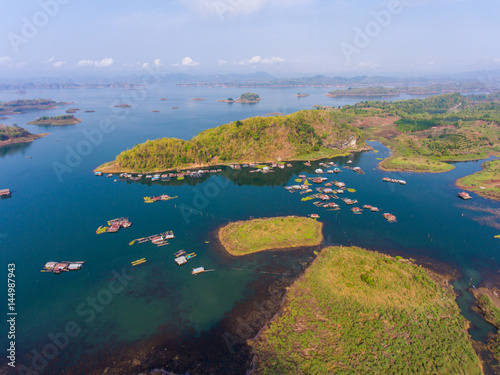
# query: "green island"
x,y
302,135
21,105
489,306
485,182
359,312
251,236
56,120
248,98
15,134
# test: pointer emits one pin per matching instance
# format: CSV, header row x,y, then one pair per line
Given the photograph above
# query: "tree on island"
x,y
12,132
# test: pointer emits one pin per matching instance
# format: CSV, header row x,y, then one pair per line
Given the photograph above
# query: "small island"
x,y
15,134
301,95
228,100
359,312
72,110
248,98
252,236
198,99
122,106
56,120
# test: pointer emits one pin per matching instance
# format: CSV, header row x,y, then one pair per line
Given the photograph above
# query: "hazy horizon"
x,y
63,38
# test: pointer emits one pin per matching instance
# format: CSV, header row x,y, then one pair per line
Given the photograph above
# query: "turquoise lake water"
x,y
57,204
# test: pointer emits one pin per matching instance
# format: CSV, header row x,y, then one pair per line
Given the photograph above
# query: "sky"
x,y
286,38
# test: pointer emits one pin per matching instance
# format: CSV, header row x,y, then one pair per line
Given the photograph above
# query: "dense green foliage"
x,y
12,132
253,139
60,117
357,312
249,96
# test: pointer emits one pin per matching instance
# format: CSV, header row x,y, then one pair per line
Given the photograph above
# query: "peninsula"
x,y
247,237
56,120
356,311
15,134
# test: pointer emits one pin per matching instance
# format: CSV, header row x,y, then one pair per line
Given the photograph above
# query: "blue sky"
x,y
282,37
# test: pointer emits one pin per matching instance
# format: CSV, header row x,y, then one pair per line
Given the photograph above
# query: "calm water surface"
x,y
58,203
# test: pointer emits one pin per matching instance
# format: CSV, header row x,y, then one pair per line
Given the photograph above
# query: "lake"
x,y
110,311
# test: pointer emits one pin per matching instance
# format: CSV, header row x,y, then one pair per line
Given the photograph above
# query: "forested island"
x,y
356,311
56,120
15,134
303,135
22,105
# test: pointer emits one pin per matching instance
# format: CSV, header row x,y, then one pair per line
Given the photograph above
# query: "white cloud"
x,y
224,8
367,64
107,61
50,60
145,65
157,62
5,59
222,62
260,60
188,61
58,64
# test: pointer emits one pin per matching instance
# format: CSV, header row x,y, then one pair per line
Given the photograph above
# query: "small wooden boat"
x,y
464,195
98,173
390,218
198,270
5,193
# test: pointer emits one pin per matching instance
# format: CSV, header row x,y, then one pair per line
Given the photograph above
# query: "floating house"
x,y
5,193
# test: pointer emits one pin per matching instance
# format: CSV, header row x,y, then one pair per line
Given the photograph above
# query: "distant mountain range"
x,y
487,80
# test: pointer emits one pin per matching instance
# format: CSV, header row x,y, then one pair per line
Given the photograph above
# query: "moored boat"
x,y
5,193
389,217
356,210
464,195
